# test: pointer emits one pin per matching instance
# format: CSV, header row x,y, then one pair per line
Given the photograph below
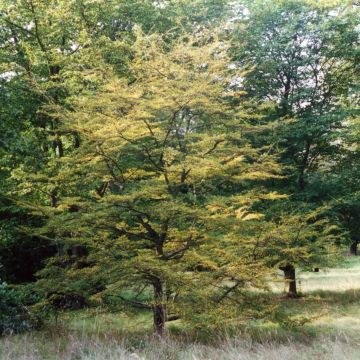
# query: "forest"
x,y
179,179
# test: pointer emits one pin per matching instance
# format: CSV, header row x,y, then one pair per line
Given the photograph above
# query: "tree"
x,y
160,157
47,48
344,190
152,161
302,58
304,239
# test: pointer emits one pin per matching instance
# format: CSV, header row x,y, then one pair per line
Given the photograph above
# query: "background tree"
x,y
302,58
303,240
302,61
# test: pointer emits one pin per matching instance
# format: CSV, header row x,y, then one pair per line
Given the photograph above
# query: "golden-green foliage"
x,y
163,176
162,159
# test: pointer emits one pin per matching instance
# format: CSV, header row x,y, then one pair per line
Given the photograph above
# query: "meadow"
x,y
330,300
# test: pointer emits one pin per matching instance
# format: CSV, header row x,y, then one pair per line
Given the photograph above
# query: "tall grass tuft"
x,y
71,347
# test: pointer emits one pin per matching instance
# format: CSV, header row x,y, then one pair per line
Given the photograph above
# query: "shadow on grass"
x,y
328,306
327,297
345,297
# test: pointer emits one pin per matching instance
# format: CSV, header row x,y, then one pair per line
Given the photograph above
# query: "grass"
x,y
335,334
67,346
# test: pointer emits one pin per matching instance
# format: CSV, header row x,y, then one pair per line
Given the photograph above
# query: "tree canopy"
x,y
181,152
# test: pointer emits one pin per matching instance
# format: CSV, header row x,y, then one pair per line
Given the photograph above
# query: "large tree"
x,y
302,58
161,159
48,48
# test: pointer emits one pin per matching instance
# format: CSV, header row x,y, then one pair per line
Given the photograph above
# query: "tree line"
x,y
172,156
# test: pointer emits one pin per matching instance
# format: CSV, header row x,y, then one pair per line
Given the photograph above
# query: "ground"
x,y
330,298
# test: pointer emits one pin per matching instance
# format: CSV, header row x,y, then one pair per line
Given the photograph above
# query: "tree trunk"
x,y
159,309
53,199
285,106
59,146
304,164
290,281
353,248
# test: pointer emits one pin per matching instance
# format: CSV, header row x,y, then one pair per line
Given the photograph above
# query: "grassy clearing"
x,y
32,347
335,294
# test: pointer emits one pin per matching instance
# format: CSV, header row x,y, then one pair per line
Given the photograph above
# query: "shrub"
x,y
14,316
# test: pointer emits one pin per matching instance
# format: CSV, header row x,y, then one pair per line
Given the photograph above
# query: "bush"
x,y
14,316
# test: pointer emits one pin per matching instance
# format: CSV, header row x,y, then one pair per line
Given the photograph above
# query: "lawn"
x,y
331,299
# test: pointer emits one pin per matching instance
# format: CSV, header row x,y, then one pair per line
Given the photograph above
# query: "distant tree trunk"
x,y
53,199
78,250
284,105
304,165
77,140
290,281
159,309
353,248
60,147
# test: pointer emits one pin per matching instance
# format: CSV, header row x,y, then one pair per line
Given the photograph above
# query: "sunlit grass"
x,y
331,298
342,278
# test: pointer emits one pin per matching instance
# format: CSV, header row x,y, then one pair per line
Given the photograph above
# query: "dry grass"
x,y
335,335
33,347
